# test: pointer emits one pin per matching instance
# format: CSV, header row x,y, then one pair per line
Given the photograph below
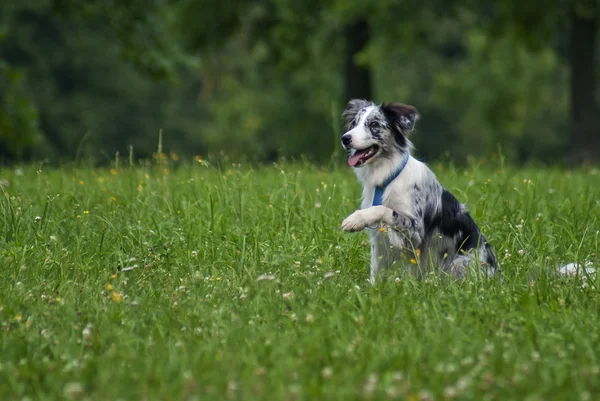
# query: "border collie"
x,y
414,222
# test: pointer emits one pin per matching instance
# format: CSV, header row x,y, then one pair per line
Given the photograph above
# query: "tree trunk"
x,y
357,78
584,135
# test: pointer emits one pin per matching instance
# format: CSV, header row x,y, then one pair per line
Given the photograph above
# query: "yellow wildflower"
x,y
109,287
413,261
81,182
116,297
86,212
18,318
113,171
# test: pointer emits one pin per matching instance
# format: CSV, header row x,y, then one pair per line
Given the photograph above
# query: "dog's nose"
x,y
346,139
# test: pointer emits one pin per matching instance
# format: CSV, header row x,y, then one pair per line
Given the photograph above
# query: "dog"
x,y
414,222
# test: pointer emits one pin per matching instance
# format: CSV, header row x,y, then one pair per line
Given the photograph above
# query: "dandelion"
x,y
100,179
381,229
81,182
109,286
450,392
78,216
113,171
327,372
86,212
86,332
114,198
370,385
116,297
114,276
218,278
18,318
413,261
73,391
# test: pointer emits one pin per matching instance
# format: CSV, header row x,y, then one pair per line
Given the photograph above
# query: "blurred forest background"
x,y
267,79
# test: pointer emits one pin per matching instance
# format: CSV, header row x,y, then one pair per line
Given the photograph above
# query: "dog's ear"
x,y
352,109
402,116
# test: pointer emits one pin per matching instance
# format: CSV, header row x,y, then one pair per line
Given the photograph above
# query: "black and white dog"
x,y
414,221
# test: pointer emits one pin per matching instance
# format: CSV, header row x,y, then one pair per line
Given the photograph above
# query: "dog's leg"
x,y
411,227
374,262
368,217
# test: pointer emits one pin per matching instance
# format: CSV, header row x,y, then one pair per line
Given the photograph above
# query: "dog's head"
x,y
376,131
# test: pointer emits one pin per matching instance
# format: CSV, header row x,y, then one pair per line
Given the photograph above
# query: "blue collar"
x,y
379,189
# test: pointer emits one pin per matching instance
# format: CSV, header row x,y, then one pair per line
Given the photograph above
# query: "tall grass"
x,y
184,282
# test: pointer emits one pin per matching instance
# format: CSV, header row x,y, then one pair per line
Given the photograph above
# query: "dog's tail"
x,y
576,269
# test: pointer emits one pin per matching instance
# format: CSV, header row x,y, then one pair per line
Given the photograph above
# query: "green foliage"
x,y
238,284
75,74
260,79
19,119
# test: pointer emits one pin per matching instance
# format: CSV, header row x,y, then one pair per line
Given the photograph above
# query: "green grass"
x,y
140,285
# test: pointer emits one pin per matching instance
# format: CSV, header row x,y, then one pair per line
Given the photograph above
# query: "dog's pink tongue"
x,y
355,158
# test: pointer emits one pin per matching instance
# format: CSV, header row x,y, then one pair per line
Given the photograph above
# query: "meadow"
x,y
190,282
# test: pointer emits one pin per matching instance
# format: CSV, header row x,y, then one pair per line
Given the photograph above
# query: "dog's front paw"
x,y
355,222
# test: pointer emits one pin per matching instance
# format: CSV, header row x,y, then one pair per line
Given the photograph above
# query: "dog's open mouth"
x,y
361,157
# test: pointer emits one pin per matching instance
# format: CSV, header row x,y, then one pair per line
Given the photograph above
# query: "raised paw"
x,y
355,222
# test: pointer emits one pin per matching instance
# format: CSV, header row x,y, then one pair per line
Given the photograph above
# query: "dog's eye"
x,y
374,124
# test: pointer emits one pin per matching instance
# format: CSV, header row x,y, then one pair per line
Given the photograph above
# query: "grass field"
x,y
193,283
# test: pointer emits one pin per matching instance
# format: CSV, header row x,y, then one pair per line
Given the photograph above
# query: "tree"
x,y
357,77
584,110
538,23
